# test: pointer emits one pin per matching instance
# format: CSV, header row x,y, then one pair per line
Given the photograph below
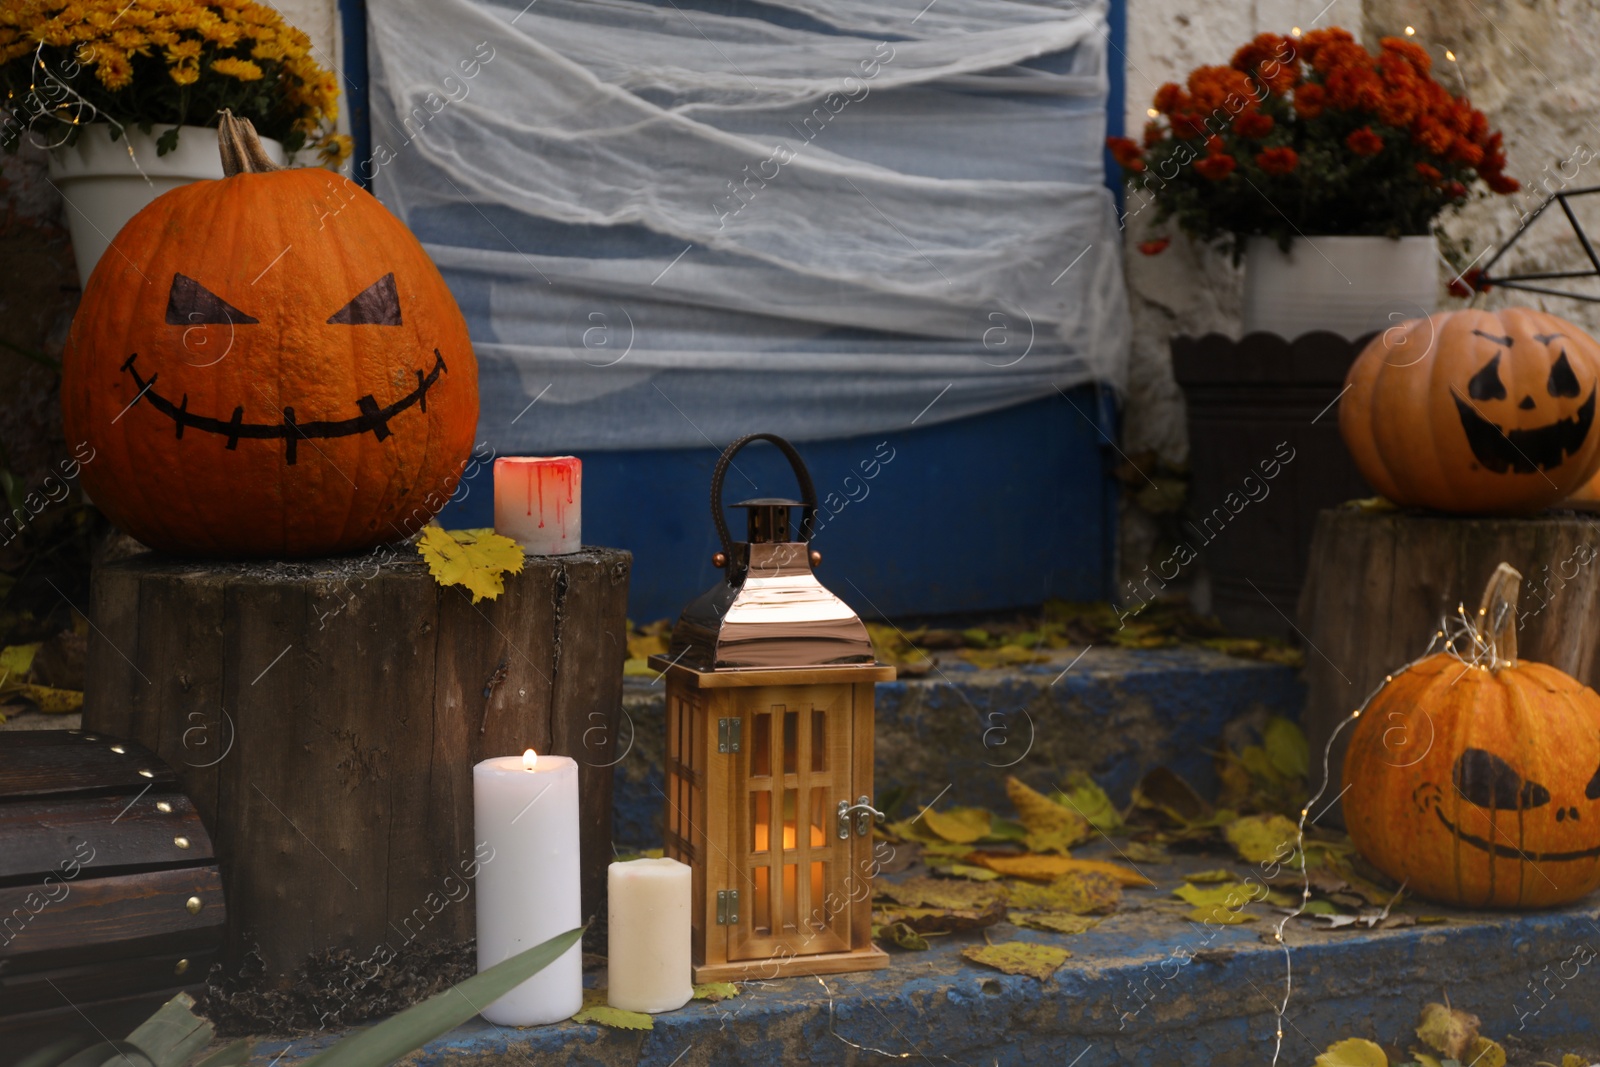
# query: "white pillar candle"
x,y
526,809
538,502
649,935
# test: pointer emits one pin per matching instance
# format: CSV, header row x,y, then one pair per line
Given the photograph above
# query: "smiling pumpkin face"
x,y
269,364
1479,787
1475,411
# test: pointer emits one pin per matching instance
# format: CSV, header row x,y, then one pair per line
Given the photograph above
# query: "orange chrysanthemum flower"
x,y
1216,168
1278,160
1364,142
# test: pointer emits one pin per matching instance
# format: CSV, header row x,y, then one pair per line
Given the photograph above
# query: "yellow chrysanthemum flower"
x,y
242,69
185,75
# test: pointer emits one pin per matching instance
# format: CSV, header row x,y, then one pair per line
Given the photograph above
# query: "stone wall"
x,y
1529,64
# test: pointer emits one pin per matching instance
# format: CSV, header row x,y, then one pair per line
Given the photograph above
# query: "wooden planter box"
x,y
1250,402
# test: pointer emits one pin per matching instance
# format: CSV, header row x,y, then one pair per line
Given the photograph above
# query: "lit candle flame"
x,y
530,760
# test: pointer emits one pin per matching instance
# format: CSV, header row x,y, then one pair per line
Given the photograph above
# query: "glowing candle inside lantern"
x,y
650,935
525,809
538,502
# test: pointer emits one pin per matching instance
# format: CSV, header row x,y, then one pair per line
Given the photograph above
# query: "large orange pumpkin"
x,y
1475,411
268,365
1476,783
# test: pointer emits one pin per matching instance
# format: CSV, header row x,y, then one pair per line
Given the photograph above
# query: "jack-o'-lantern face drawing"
x,y
269,364
1473,411
1478,783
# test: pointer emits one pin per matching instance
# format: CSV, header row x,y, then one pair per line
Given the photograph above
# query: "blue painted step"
x,y
1115,713
1145,987
995,511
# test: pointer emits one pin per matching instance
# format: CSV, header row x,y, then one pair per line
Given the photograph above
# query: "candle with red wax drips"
x,y
538,502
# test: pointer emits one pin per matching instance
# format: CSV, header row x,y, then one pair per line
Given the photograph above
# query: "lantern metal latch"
x,y
727,907
864,813
730,732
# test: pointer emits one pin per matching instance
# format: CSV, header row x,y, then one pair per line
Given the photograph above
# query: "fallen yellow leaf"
x,y
1353,1052
1049,868
1051,827
1019,957
476,559
960,826
1077,892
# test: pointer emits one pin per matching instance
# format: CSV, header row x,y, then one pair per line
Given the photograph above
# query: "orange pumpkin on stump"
x,y
1475,411
269,365
1475,780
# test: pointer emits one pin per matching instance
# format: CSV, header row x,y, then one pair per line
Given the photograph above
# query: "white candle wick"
x,y
530,760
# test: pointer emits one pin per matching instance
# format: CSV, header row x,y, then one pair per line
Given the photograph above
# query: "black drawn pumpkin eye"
x,y
1592,790
191,304
1486,384
1562,381
1488,781
377,305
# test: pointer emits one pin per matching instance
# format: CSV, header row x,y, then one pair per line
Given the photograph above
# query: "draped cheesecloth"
x,y
669,224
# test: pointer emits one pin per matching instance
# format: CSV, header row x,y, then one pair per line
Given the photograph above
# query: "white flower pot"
x,y
105,183
1346,285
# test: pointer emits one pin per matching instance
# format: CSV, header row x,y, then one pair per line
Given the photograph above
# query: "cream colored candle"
x,y
526,808
649,966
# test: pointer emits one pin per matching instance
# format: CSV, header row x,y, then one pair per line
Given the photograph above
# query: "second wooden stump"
x,y
1379,584
325,717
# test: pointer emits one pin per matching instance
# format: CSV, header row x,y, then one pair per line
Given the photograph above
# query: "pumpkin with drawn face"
x,y
1475,778
1475,411
268,365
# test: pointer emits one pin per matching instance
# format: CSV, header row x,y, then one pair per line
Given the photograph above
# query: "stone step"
x,y
1146,986
1113,712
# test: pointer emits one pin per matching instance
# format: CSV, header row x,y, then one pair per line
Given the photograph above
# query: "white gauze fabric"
x,y
669,225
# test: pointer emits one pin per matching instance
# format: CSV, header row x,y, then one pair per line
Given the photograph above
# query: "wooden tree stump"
x,y
1379,583
325,717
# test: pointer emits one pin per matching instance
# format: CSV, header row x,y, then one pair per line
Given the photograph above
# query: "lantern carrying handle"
x,y
808,491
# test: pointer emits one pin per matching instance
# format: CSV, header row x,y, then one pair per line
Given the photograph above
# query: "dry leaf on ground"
x,y
1077,892
1353,1052
1019,957
1049,868
961,826
941,893
1051,826
1057,921
1263,838
596,1010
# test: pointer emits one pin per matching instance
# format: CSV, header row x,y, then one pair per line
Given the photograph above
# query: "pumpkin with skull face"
x,y
1475,411
1476,779
268,365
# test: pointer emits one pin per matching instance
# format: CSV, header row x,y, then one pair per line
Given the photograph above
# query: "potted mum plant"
x,y
126,96
1326,167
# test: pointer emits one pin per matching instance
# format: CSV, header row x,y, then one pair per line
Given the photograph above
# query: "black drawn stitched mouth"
x,y
372,418
1508,852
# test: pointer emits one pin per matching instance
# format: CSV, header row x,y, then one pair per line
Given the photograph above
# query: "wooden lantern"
x,y
769,754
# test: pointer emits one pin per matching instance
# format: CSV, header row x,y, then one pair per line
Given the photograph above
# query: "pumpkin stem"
x,y
241,147
1497,616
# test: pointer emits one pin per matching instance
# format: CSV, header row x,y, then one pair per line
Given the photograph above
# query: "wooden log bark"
x,y
325,717
1379,583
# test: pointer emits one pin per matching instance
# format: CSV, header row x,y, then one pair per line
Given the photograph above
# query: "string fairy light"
x,y
1474,645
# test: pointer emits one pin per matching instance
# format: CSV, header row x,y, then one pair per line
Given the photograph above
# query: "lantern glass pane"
x,y
791,889
762,916
819,816
761,819
790,840
761,745
791,741
819,739
819,919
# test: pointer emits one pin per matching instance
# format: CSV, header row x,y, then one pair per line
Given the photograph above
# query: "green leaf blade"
x,y
416,1026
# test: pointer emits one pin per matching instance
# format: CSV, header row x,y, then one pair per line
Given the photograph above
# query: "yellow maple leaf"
x,y
1353,1052
960,826
476,559
1049,868
1446,1030
1019,957
1051,827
